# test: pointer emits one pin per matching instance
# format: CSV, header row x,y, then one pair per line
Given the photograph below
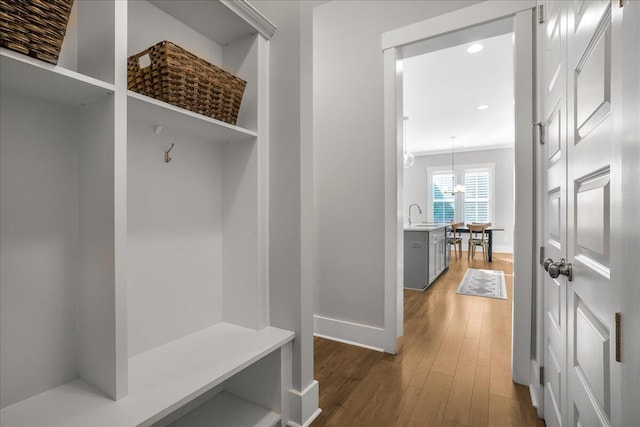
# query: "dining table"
x,y
489,232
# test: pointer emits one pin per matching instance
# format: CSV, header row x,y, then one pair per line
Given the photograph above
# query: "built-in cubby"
x,y
57,214
135,288
53,246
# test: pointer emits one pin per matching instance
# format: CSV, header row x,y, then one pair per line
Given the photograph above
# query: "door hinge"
x,y
542,375
540,127
541,13
618,338
541,255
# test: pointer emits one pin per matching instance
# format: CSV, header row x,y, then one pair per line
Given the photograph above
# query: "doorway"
x,y
459,137
394,45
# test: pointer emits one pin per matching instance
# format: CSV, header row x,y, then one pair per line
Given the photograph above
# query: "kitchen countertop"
x,y
425,227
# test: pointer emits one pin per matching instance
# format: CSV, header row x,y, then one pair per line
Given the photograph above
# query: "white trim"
x,y
524,239
464,149
357,344
303,405
346,332
502,249
393,216
252,16
308,422
495,250
286,380
308,215
120,203
263,149
453,21
313,384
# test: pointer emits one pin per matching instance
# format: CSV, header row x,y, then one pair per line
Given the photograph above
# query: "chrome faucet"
x,y
410,206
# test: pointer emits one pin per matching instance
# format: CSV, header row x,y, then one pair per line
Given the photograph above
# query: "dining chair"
x,y
456,240
478,237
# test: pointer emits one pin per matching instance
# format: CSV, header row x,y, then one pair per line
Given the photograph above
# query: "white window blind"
x,y
476,196
443,201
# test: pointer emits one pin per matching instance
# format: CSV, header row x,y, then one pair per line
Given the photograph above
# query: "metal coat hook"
x,y
167,159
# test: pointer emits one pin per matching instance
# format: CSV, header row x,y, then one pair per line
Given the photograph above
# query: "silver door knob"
x,y
561,268
546,263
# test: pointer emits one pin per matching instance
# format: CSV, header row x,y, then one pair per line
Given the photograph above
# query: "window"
x,y
443,203
474,205
476,196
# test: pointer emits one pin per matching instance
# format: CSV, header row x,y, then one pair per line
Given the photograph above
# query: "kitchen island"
x,y
426,254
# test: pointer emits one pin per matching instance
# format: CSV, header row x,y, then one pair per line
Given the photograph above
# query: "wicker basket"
x,y
34,27
181,78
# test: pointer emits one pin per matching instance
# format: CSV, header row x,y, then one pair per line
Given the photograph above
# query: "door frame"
x,y
525,237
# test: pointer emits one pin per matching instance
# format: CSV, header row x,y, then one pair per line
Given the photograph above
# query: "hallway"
x,y
452,366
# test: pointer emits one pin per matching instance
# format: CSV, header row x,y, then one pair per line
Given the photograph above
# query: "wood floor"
x,y
452,369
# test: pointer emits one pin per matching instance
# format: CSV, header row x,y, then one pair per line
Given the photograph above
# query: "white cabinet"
x,y
132,288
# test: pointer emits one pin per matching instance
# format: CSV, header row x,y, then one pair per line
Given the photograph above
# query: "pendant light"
x,y
457,188
409,158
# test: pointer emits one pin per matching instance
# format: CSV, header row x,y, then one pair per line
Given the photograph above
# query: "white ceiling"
x,y
442,90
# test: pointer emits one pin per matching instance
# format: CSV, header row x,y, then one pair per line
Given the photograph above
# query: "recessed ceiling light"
x,y
475,48
482,107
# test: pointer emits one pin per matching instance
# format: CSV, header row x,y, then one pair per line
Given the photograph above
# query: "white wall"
x,y
174,236
349,154
39,246
415,188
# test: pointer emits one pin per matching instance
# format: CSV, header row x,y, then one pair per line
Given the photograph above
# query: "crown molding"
x,y
251,15
462,150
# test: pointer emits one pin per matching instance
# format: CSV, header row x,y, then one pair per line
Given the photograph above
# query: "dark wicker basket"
x,y
182,79
34,27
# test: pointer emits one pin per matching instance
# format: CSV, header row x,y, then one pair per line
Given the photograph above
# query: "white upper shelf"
x,y
152,112
39,79
161,380
221,21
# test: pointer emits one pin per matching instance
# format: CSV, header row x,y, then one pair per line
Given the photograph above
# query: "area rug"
x,y
483,283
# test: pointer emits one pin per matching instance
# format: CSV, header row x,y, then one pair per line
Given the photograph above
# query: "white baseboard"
x,y
348,342
507,249
304,405
502,249
346,332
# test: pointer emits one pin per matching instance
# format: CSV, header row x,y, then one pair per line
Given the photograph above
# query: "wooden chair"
x,y
478,237
456,241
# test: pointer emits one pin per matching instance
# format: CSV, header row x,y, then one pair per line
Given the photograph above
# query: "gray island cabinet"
x,y
425,254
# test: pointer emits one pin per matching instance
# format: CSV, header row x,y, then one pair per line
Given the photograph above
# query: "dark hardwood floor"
x,y
453,366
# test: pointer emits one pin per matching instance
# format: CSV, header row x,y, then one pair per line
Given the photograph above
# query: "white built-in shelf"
x,y
227,410
152,112
32,77
161,380
222,22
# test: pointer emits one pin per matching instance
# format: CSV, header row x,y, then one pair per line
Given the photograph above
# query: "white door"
x,y
593,298
582,376
554,113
